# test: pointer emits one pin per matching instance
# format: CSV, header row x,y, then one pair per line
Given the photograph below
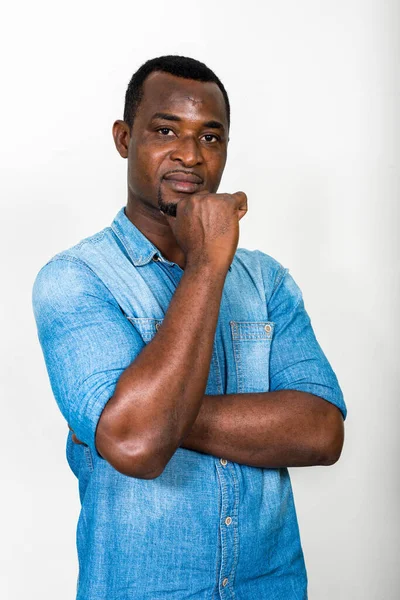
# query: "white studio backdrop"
x,y
314,90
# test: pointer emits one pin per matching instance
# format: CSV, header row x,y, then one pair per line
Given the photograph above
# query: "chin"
x,y
169,208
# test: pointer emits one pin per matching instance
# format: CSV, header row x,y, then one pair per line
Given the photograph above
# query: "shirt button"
x,y
158,325
228,520
223,462
268,328
225,581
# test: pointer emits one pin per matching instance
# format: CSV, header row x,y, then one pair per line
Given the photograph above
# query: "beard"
x,y
169,208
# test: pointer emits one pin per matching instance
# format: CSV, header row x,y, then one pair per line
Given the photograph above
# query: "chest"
x,y
244,334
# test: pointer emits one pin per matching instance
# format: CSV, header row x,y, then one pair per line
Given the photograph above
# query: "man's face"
x,y
178,144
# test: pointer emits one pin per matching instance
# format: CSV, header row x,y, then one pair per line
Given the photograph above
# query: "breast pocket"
x,y
251,350
147,327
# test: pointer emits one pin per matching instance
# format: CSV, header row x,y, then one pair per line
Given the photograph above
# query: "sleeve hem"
x,y
336,399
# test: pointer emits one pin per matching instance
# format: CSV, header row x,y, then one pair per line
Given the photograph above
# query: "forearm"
x,y
286,428
157,397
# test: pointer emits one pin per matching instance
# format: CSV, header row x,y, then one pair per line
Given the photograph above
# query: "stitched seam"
x,y
119,235
237,361
221,528
217,369
88,457
146,326
80,262
92,239
236,529
70,258
250,330
216,586
278,279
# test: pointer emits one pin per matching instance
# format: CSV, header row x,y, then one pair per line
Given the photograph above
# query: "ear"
x,y
121,135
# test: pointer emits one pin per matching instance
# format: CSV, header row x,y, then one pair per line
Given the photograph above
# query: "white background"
x,y
314,89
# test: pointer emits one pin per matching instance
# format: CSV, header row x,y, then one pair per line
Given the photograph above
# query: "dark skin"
x,y
150,157
159,402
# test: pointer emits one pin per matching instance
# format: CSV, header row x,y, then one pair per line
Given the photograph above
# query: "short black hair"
x,y
180,66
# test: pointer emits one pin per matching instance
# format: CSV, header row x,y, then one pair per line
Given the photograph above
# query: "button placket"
x,y
229,488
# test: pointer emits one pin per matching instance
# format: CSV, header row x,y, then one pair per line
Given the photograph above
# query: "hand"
x,y
74,438
206,226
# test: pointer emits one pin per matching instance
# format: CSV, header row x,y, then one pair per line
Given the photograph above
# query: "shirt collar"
x,y
138,247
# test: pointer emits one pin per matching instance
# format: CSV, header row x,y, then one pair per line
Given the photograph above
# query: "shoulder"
x,y
262,265
86,247
67,276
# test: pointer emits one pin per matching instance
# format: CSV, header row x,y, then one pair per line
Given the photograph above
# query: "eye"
x,y
211,135
165,130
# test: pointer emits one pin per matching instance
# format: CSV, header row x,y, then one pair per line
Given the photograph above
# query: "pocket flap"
x,y
252,330
147,327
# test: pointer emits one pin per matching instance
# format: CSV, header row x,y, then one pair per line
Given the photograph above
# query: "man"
x,y
187,369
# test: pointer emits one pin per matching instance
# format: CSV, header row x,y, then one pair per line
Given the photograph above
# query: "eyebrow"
x,y
169,117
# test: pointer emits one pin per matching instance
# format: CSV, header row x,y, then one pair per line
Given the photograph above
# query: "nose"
x,y
187,152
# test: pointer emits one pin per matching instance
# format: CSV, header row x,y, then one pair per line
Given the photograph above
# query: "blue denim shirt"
x,y
206,528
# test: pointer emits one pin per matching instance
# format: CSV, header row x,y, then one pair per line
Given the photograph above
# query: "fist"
x,y
206,226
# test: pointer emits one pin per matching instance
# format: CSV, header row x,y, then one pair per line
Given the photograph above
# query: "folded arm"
x,y
286,428
118,393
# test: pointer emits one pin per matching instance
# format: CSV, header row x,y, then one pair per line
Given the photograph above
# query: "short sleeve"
x,y
87,341
297,360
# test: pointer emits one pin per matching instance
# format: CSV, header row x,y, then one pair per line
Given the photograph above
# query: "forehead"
x,y
186,98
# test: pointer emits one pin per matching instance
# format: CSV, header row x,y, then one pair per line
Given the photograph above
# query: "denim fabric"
x,y
96,305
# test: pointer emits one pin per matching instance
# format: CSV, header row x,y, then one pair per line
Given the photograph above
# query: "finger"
x,y
241,200
241,203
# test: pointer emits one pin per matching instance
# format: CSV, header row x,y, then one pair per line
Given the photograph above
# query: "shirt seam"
x,y
278,280
98,279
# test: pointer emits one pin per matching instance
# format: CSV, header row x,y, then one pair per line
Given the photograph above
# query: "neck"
x,y
155,227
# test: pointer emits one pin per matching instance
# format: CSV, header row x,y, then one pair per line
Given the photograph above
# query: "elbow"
x,y
135,468
130,462
135,464
334,439
130,459
330,458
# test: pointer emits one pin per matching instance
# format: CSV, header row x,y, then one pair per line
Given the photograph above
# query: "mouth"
x,y
182,186
183,182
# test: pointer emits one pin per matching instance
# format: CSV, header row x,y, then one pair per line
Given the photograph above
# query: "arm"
x,y
158,396
92,351
133,404
299,421
286,428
